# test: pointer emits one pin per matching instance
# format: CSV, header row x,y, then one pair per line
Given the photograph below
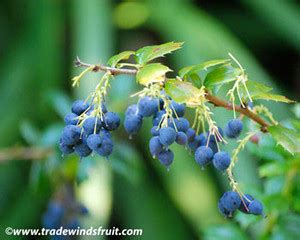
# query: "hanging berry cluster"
x,y
165,100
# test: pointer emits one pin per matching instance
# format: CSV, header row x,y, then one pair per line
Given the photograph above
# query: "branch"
x,y
102,68
24,153
211,98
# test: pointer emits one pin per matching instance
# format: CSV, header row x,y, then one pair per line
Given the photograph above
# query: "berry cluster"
x,y
232,201
163,135
65,214
206,147
86,130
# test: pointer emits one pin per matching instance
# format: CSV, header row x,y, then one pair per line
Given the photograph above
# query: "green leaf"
x,y
151,73
202,66
272,97
182,92
221,75
196,80
287,138
146,54
256,87
119,57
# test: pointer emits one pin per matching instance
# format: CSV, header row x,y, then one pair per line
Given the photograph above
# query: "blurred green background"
x,y
40,40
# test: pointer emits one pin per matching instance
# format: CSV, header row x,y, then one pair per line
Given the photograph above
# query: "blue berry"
x,y
82,149
179,108
182,124
83,210
221,160
223,210
66,149
231,201
53,215
203,155
90,124
79,106
166,157
106,147
199,140
181,138
155,146
234,128
111,121
133,123
255,207
132,110
246,199
148,106
167,136
213,146
190,133
71,119
157,117
155,131
70,135
94,141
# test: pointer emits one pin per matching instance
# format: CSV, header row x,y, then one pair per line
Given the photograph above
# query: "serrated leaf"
x,y
202,66
182,92
152,73
119,57
289,139
146,54
221,75
196,80
272,97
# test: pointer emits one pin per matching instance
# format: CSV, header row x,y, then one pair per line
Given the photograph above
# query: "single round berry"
x,y
213,146
155,131
181,138
234,128
133,123
190,133
166,157
71,119
203,155
221,160
246,199
79,106
91,124
66,149
70,135
231,201
222,209
182,124
255,207
82,149
132,110
106,147
111,121
167,136
148,106
94,141
155,146
179,108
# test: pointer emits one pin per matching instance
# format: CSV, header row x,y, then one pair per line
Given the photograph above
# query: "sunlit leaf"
x,y
182,92
202,66
151,73
119,57
221,75
273,169
287,138
146,54
272,97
